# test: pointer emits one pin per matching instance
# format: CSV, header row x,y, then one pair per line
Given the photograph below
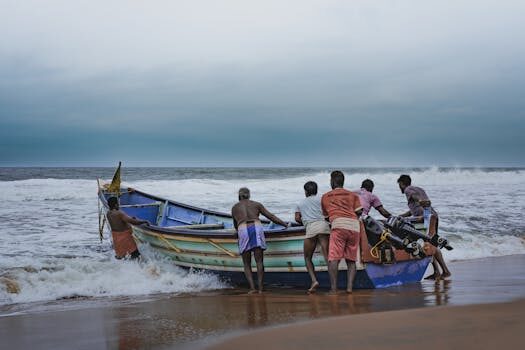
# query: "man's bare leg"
x,y
439,257
258,254
332,271
324,241
309,248
437,274
351,271
247,262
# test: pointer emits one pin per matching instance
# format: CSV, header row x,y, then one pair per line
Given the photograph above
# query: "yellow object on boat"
x,y
115,183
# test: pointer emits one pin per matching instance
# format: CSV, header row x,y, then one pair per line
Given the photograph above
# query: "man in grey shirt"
x,y
417,201
308,213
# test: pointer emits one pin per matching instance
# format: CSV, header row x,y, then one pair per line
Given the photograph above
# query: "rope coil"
x,y
374,250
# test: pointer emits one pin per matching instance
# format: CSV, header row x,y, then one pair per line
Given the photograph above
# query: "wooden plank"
x,y
141,205
198,226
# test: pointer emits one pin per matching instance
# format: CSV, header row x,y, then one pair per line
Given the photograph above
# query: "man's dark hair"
x,y
368,185
113,202
310,188
244,193
337,178
405,180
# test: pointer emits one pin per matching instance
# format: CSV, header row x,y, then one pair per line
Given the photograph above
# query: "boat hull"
x,y
371,277
284,262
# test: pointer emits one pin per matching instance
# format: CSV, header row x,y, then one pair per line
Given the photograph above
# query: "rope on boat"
x,y
374,250
178,250
221,248
101,228
101,216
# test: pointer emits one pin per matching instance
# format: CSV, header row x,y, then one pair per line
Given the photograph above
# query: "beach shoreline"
x,y
209,318
480,326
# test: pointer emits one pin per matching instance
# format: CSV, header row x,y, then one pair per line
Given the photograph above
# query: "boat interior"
x,y
168,214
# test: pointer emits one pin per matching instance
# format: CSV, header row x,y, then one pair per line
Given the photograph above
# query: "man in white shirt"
x,y
308,213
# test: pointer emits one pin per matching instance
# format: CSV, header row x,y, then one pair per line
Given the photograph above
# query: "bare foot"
x,y
260,291
349,291
313,287
332,292
252,291
446,274
433,276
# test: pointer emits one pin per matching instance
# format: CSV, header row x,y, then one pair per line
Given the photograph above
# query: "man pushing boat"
x,y
123,241
418,202
308,213
342,208
251,234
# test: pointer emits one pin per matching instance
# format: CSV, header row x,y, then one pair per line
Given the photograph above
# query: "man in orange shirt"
x,y
343,208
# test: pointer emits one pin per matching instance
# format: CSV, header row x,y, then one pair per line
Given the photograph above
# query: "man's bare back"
x,y
119,221
248,210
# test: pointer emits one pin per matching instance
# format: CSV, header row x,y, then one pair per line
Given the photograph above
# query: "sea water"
x,y
50,246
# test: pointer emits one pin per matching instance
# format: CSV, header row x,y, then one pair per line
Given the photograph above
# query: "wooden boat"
x,y
203,239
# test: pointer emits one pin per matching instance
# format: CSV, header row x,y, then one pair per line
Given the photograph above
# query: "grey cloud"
x,y
336,82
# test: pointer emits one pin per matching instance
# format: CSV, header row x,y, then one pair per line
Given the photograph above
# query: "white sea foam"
x,y
49,238
58,277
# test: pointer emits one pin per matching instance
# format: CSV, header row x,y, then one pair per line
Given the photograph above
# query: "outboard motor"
x,y
406,230
374,229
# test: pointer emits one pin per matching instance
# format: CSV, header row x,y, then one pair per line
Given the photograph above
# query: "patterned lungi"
x,y
123,243
251,235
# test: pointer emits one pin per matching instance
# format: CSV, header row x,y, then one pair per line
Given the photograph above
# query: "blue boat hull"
x,y
374,276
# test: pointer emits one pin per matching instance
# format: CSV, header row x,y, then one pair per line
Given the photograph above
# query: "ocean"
x,y
49,241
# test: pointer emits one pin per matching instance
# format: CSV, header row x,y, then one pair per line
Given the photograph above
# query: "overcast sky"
x,y
284,83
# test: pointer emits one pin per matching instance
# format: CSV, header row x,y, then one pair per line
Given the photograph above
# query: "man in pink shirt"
x,y
369,200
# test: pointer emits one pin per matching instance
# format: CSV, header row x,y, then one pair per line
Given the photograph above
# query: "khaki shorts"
x,y
315,228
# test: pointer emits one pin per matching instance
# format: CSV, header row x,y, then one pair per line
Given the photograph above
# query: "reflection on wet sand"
x,y
183,319
441,289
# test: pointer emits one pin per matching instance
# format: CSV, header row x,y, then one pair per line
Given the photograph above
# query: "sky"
x,y
269,83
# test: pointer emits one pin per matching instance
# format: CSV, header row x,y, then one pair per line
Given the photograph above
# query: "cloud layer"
x,y
295,83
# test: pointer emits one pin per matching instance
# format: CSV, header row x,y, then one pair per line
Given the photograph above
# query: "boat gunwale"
x,y
292,231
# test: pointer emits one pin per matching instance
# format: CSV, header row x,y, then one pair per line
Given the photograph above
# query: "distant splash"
x,y
49,238
216,173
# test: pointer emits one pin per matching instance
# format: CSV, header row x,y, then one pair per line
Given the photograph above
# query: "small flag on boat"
x,y
115,183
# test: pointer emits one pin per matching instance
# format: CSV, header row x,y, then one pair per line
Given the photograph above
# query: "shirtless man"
x,y
417,201
121,230
251,234
343,208
308,213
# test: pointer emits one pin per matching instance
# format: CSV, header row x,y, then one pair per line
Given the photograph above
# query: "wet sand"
x,y
205,319
463,327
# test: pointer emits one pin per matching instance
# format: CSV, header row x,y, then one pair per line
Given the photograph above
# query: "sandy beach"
x,y
486,326
229,317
